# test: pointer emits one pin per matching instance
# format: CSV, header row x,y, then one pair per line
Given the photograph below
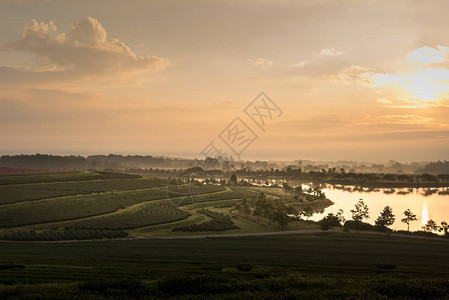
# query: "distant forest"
x,y
439,167
101,162
115,162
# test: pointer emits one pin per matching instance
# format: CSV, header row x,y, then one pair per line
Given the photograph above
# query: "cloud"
x,y
356,74
261,62
407,120
330,52
299,64
357,125
84,50
429,55
419,84
384,101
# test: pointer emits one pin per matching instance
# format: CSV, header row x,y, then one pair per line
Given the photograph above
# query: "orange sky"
x,y
361,80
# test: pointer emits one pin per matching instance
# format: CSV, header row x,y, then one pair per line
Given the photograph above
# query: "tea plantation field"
x,y
118,236
34,207
308,266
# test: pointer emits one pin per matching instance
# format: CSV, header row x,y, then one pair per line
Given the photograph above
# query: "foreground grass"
x,y
308,266
206,287
323,254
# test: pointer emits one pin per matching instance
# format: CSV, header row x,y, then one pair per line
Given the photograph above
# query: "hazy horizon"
x,y
242,159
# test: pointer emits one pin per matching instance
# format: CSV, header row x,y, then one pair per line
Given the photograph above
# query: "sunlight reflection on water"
x,y
425,213
424,203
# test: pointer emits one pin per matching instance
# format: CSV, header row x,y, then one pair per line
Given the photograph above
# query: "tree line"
x,y
385,219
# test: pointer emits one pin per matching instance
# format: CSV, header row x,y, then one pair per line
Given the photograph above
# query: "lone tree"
x,y
233,179
386,218
360,212
444,228
430,226
409,217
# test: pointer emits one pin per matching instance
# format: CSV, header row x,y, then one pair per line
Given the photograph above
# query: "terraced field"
x,y
98,201
61,177
218,222
35,191
61,235
142,215
81,206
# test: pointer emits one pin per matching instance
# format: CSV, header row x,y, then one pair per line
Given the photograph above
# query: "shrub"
x,y
114,288
193,285
353,225
244,268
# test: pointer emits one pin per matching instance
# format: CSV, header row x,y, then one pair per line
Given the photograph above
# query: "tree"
x,y
299,189
386,218
286,186
280,216
360,212
340,216
308,211
262,207
444,228
292,211
233,179
330,221
246,209
430,226
409,217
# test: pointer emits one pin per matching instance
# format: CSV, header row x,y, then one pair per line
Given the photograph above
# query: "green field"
x,y
61,177
30,204
14,193
326,265
82,206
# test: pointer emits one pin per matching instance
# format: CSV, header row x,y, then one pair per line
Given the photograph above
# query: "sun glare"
x,y
429,85
425,214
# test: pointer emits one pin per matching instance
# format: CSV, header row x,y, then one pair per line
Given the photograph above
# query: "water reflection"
x,y
425,203
425,214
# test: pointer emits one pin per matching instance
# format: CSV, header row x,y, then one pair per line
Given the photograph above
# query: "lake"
x,y
425,203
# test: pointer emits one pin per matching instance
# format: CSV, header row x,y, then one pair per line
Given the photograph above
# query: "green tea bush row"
x,y
28,192
62,235
145,215
219,222
75,207
62,177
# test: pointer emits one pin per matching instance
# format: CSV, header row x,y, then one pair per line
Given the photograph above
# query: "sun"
x,y
428,84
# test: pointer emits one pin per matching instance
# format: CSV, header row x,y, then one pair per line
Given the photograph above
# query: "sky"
x,y
345,80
